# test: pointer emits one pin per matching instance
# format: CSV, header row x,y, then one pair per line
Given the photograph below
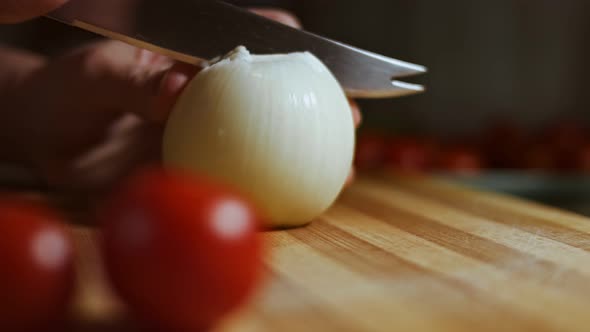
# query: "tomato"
x,y
180,250
582,158
370,151
410,154
540,157
565,138
36,258
565,134
461,160
504,145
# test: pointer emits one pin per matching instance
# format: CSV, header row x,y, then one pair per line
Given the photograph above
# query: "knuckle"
x,y
105,57
92,61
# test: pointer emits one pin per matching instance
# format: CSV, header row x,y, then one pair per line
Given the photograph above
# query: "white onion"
x,y
278,127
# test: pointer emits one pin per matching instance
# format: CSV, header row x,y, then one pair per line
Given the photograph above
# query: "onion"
x,y
278,127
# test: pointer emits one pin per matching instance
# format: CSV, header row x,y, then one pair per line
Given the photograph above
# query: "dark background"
x,y
526,61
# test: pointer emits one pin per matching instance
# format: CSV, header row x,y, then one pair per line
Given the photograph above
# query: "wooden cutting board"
x,y
405,254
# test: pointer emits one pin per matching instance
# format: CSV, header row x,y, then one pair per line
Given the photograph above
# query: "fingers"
x,y
131,143
14,11
350,178
356,113
12,57
128,79
171,86
116,76
278,15
142,82
357,118
15,66
116,157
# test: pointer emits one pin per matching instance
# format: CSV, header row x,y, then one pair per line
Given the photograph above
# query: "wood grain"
x,y
401,253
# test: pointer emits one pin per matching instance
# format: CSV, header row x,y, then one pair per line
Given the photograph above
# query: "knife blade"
x,y
191,30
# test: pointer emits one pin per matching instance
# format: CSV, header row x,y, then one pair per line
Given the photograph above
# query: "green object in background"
x,y
569,192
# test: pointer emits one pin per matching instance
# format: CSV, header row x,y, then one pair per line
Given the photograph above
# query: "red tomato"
x,y
410,154
370,152
504,145
36,258
181,251
461,160
583,159
540,157
565,138
565,134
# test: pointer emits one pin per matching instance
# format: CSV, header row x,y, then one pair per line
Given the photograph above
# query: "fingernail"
x,y
356,113
350,178
144,57
173,83
160,60
280,16
289,20
170,88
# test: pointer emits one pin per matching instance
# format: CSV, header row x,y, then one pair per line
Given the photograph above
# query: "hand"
x,y
93,115
83,118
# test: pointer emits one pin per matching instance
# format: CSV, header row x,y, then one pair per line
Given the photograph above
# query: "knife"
x,y
192,30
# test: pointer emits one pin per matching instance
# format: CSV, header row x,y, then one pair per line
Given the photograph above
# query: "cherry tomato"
x,y
410,154
540,157
504,145
461,160
583,159
180,250
370,151
36,262
565,134
565,138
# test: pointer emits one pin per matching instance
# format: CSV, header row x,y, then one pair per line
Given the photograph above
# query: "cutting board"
x,y
403,253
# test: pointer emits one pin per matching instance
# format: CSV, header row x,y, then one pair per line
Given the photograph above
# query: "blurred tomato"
x,y
36,262
565,134
461,159
565,138
503,145
582,158
541,157
410,154
181,251
370,151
